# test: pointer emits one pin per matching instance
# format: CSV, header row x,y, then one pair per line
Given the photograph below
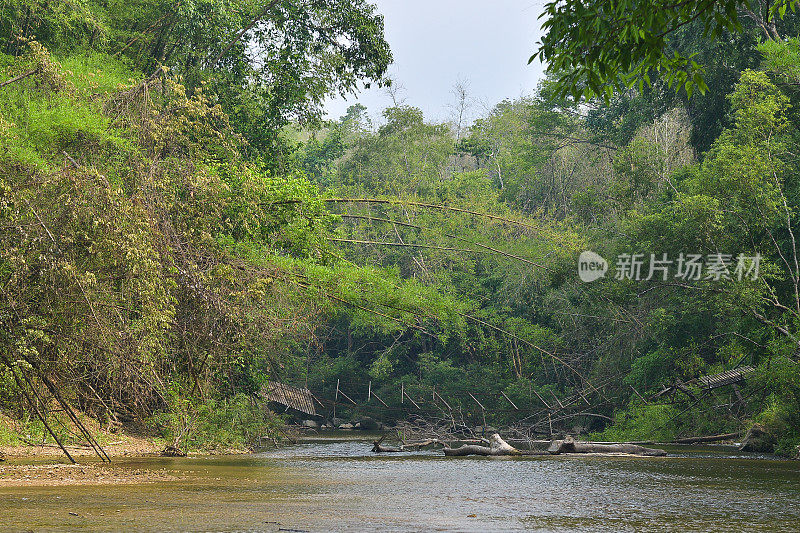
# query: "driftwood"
x,y
421,444
568,445
172,451
497,447
710,438
377,447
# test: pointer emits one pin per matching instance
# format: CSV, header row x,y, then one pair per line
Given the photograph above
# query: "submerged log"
x,y
377,447
421,444
568,445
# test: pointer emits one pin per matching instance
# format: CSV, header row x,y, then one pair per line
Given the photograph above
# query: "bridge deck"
x,y
728,377
293,397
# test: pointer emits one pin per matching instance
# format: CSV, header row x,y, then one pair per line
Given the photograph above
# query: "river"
x,y
340,485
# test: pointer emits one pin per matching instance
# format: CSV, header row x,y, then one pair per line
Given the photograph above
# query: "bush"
x,y
215,424
783,422
642,422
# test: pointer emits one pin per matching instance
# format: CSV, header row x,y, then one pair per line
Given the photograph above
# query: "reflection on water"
x,y
334,486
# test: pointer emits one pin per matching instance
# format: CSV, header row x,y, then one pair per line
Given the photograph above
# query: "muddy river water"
x,y
338,486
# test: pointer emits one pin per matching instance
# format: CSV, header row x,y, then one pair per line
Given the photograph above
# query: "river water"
x,y
342,486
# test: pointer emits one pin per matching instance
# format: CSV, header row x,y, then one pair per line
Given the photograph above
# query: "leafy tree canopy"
x,y
268,62
594,48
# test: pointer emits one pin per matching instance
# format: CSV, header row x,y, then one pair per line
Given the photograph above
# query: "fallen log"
x,y
420,444
710,438
568,445
172,451
497,447
470,449
377,447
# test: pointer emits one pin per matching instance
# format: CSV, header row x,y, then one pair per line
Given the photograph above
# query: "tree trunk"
x,y
568,445
497,447
378,448
710,438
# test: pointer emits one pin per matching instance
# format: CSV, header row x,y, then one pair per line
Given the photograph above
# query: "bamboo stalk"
x,y
35,408
406,245
416,226
431,206
20,77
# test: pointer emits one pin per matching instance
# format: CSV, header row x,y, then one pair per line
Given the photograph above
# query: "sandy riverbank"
x,y
122,446
46,465
61,474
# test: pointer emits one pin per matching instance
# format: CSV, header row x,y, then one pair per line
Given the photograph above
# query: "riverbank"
x,y
122,446
45,465
20,442
60,474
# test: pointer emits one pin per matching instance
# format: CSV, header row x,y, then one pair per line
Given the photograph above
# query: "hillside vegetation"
x,y
179,226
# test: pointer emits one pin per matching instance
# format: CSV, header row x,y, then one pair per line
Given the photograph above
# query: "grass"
x,y
39,123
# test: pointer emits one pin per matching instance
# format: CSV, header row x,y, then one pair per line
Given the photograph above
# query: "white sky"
x,y
436,43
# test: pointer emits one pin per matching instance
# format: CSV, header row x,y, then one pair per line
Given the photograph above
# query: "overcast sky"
x,y
436,43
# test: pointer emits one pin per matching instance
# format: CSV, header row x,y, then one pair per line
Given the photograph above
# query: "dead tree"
x,y
497,447
568,445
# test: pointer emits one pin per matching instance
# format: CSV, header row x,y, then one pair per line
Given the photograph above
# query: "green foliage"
x,y
230,423
782,58
781,420
651,370
267,64
8,437
642,422
597,48
406,157
167,246
126,270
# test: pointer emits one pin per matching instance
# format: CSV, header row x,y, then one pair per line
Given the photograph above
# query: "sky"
x,y
484,45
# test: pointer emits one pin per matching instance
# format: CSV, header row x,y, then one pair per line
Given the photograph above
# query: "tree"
x,y
597,47
268,63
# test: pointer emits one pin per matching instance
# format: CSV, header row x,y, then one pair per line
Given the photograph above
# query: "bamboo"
x,y
412,401
431,206
416,226
348,398
509,400
20,77
380,400
406,245
36,409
